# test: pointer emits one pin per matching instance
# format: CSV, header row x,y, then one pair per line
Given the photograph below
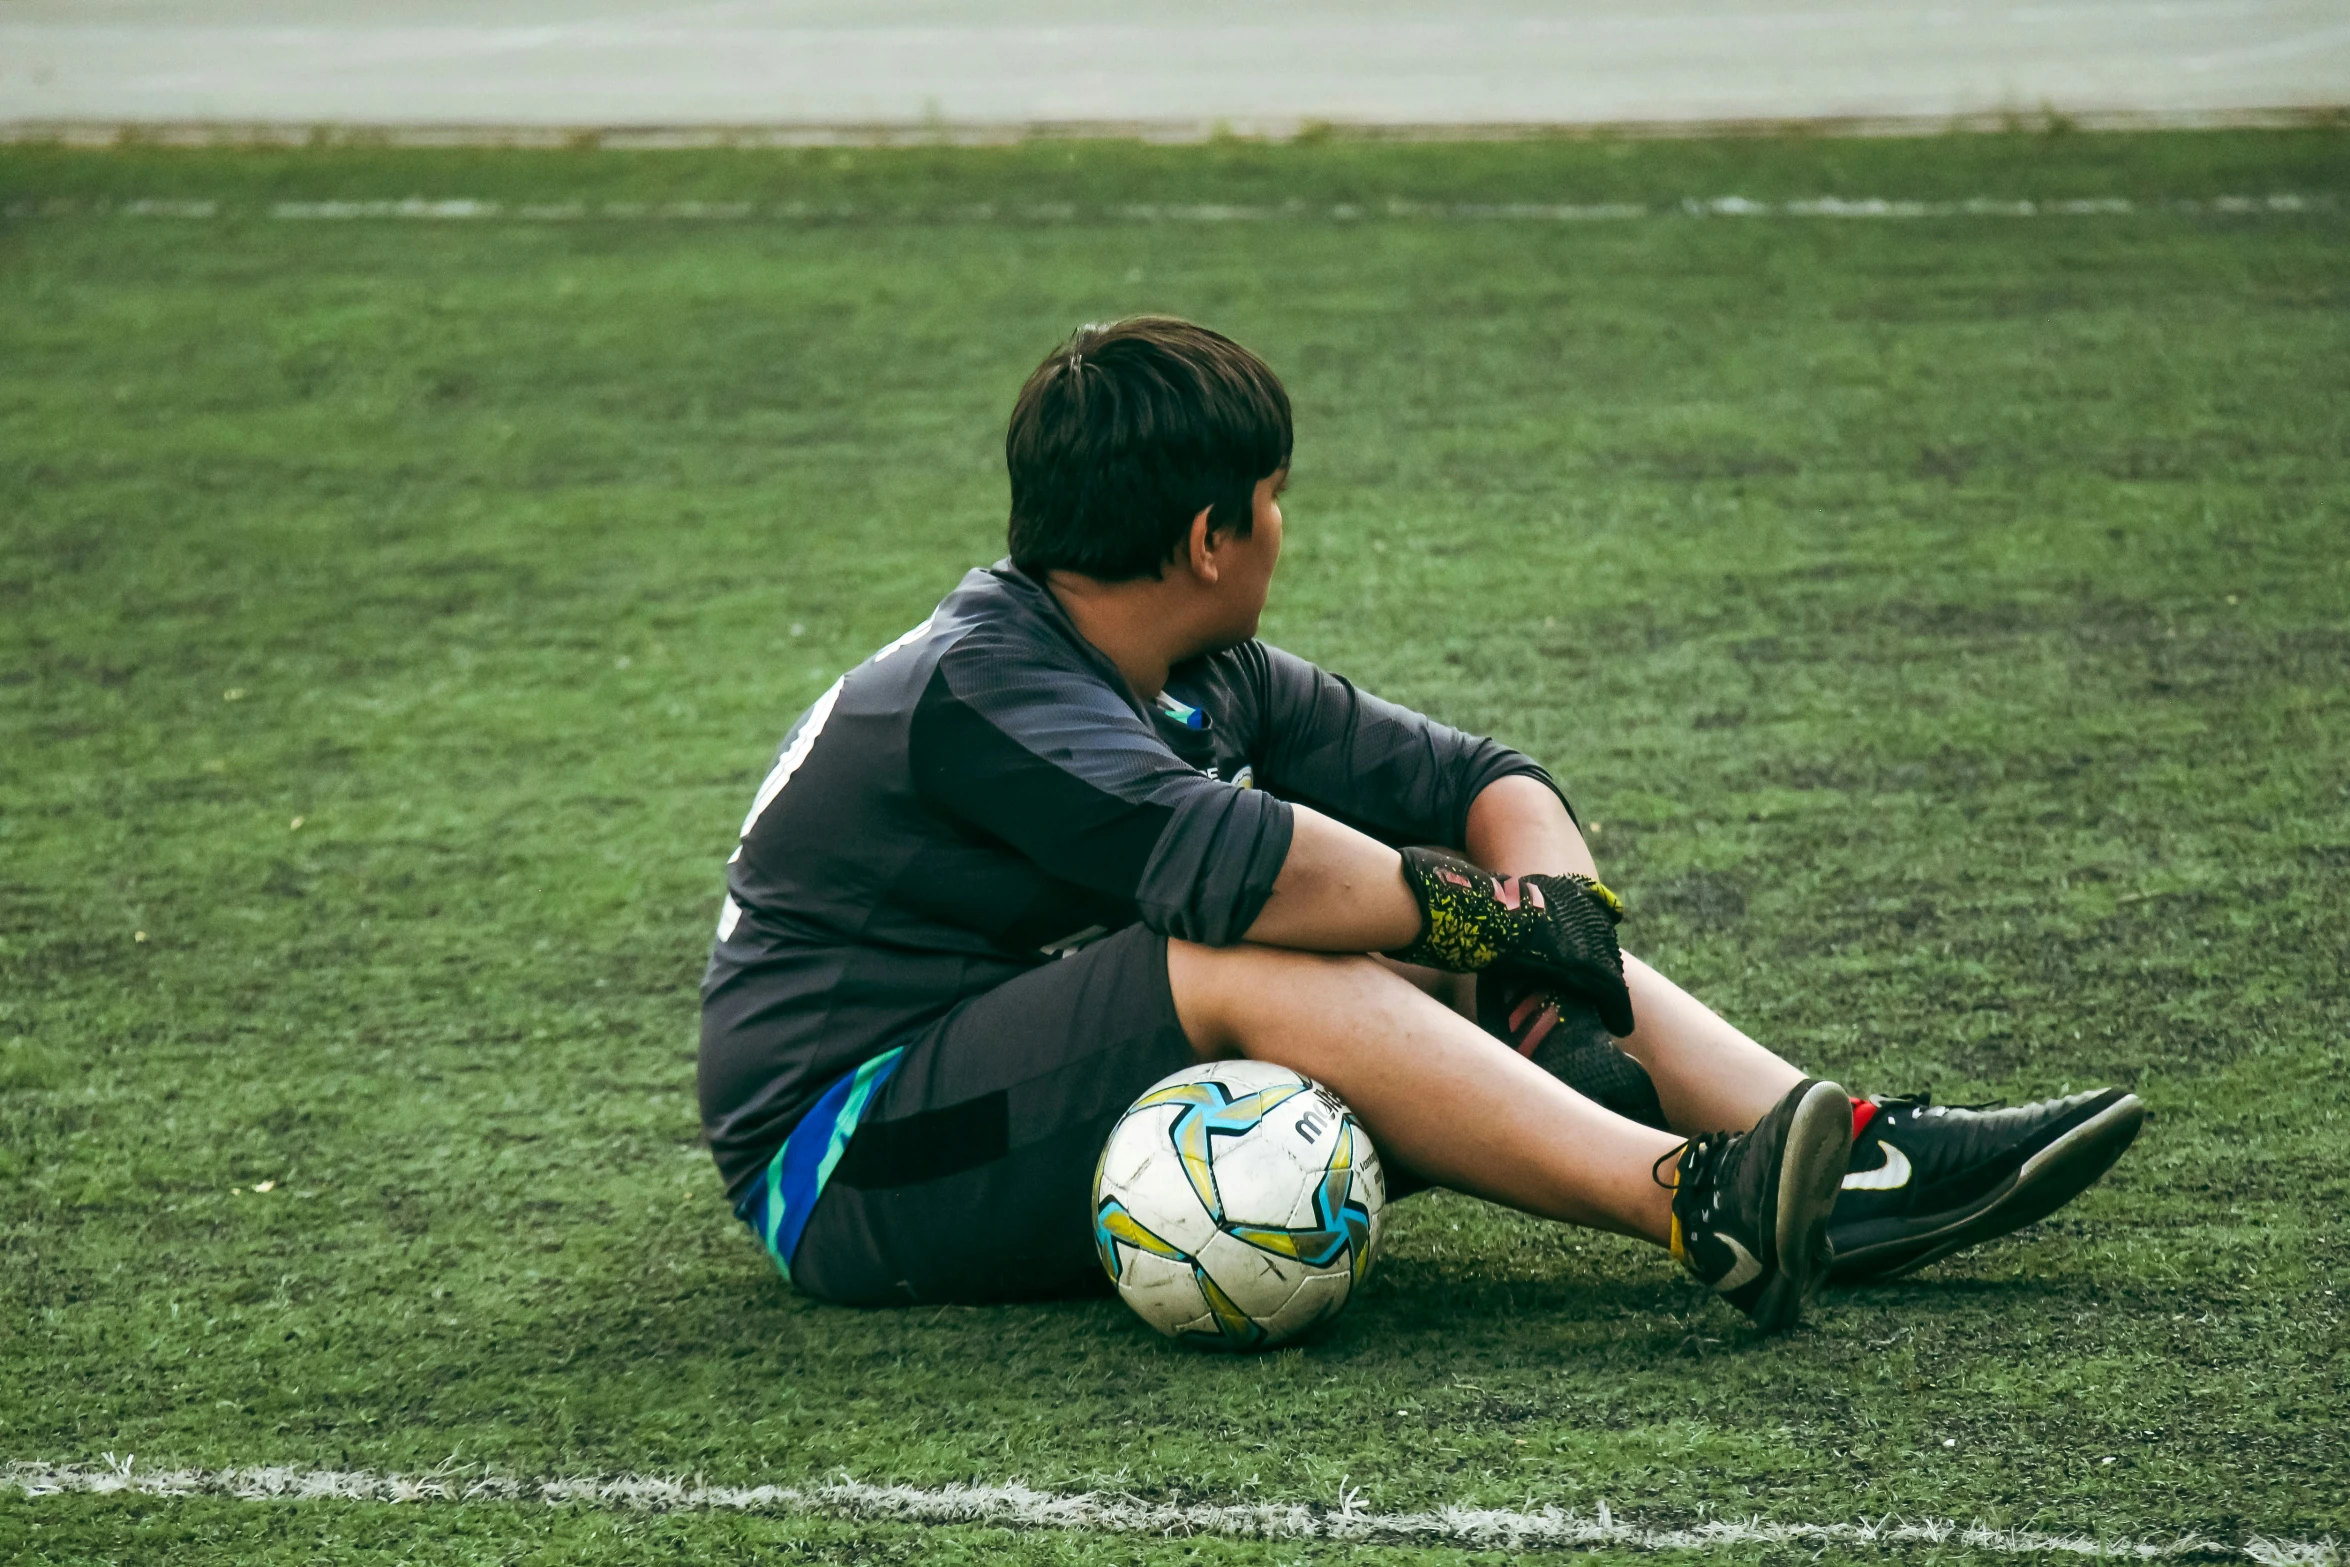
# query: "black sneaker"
x,y
1927,1180
1750,1209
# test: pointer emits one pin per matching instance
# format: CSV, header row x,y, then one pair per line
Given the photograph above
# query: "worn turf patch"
x,y
1942,624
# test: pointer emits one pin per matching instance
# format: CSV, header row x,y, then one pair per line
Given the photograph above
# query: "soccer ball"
x,y
1237,1204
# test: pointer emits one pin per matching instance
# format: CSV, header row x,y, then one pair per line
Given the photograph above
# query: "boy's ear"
x,y
1202,548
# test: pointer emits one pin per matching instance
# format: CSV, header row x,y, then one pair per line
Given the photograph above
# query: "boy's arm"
x,y
1339,891
1408,779
1397,775
1519,826
1047,760
1343,891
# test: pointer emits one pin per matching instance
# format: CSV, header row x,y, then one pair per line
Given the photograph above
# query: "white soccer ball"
x,y
1237,1204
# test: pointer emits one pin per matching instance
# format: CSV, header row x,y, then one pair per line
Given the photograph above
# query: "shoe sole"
x,y
2047,1181
1811,1173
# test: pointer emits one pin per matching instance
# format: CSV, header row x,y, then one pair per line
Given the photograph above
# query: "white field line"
x,y
1017,1506
464,209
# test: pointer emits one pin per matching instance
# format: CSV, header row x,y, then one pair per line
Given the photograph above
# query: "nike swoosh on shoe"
x,y
1747,1269
2057,1173
1890,1176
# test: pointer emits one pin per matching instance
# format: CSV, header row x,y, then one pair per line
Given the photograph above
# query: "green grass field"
x,y
1943,622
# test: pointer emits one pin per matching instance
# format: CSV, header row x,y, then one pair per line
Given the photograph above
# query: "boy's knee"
x,y
1220,991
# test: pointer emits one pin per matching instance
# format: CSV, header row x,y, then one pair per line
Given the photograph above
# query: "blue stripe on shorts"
x,y
779,1201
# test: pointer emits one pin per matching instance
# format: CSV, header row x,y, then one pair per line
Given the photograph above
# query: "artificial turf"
x,y
1943,625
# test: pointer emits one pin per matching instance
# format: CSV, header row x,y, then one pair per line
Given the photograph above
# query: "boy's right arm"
x,y
1048,761
1051,763
1339,891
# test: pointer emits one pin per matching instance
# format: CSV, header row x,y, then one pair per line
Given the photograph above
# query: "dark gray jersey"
x,y
986,794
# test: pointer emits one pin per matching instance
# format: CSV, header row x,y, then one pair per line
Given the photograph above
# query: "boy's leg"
x,y
970,1178
1926,1180
1708,1075
1440,1097
1748,1213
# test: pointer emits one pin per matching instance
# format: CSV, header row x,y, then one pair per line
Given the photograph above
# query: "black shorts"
x,y
970,1177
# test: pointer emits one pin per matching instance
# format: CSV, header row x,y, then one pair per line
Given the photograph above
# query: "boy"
x,y
1080,829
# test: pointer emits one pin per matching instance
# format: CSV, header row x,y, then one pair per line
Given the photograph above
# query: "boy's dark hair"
x,y
1125,432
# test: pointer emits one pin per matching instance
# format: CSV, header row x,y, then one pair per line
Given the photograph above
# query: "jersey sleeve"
x,y
1050,761
1393,773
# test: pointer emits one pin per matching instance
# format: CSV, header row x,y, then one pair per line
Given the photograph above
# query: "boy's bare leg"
x,y
1709,1076
1457,991
1440,1096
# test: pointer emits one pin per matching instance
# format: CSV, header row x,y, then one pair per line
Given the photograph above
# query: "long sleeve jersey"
x,y
986,794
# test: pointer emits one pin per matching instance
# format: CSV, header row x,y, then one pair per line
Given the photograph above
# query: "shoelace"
x,y
1704,1153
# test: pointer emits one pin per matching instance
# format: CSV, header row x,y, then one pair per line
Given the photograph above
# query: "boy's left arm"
x,y
1398,775
1408,780
1519,827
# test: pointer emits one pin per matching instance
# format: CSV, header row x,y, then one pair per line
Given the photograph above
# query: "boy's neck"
x,y
1139,626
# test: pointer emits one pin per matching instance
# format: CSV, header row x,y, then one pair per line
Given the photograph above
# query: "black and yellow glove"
x,y
1559,928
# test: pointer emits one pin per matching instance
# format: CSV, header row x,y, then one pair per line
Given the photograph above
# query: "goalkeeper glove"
x,y
1561,928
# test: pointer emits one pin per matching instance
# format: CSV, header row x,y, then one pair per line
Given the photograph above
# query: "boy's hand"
x,y
1562,928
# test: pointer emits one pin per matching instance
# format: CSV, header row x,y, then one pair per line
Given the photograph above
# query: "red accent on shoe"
x,y
1863,1112
1536,1015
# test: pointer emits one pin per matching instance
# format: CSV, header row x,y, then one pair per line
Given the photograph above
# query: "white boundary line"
x,y
1017,1506
467,209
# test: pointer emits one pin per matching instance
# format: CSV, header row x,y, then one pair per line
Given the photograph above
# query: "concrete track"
x,y
1176,68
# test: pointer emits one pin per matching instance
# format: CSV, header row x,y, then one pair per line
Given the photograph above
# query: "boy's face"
x,y
1247,564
